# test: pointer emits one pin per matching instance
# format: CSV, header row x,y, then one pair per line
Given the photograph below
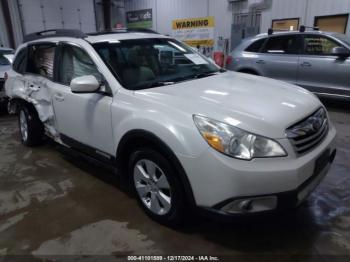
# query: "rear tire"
x,y
31,128
157,188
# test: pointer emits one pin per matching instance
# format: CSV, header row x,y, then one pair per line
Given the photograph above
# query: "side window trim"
x,y
303,51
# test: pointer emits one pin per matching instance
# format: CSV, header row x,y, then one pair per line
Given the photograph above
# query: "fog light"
x,y
251,205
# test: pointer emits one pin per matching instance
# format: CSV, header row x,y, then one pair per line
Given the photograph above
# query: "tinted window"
x,y
20,63
288,44
41,60
256,46
75,62
319,45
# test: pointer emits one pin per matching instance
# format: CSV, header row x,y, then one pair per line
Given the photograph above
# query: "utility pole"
x,y
306,12
107,14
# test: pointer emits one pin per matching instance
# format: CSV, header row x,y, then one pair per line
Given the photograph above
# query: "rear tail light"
x,y
229,60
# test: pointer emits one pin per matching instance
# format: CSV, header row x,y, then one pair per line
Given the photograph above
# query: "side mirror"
x,y
340,51
84,84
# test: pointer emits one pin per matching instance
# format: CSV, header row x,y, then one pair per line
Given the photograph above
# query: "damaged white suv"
x,y
181,131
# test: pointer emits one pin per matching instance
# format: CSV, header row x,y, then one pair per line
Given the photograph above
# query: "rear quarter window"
x,y
20,63
41,60
256,46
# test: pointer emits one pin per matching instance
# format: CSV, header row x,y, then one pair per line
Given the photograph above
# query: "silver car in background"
x,y
317,61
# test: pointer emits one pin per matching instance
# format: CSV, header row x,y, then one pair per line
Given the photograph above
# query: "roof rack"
x,y
124,30
303,28
271,31
54,33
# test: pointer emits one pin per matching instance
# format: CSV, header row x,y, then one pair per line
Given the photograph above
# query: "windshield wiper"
x,y
205,74
160,83
181,79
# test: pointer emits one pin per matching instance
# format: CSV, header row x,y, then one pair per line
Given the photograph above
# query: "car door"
x,y
83,120
319,70
279,57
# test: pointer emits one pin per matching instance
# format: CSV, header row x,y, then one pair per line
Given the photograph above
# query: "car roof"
x,y
92,39
249,40
110,37
294,33
54,35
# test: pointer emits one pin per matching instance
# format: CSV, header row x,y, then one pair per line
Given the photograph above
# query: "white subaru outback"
x,y
183,132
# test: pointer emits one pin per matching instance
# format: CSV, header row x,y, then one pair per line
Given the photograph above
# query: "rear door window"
x,y
256,46
41,60
287,44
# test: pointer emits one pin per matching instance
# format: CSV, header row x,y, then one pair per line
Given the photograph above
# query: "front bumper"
x,y
217,180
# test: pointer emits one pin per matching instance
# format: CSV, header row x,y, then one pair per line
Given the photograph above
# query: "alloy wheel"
x,y
152,186
23,125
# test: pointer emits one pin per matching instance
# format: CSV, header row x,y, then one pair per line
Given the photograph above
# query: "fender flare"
x,y
148,138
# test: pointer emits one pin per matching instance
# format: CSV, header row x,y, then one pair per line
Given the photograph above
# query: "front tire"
x,y
156,186
31,128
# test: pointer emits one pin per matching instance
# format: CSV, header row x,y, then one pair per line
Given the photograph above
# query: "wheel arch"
x,y
138,137
16,103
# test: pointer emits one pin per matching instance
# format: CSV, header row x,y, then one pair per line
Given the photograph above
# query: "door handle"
x,y
261,62
59,97
306,64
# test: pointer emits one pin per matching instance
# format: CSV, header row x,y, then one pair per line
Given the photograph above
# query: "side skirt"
x,y
89,151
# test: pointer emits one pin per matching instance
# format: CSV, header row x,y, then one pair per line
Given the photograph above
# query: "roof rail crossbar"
x,y
54,33
271,30
303,28
142,30
124,30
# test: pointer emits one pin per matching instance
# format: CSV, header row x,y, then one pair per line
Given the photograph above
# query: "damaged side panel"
x,y
34,90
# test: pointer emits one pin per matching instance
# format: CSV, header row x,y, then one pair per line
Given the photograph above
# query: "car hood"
x,y
256,104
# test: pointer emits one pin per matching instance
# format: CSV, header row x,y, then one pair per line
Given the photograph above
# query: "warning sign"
x,y
195,31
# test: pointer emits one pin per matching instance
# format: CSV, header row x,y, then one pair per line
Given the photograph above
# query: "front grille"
x,y
310,132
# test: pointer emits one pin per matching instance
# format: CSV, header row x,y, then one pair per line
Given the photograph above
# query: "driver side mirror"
x,y
340,51
84,84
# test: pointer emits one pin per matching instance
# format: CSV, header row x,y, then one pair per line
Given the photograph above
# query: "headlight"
x,y
236,142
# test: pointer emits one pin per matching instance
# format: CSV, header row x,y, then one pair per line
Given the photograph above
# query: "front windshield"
x,y
146,63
